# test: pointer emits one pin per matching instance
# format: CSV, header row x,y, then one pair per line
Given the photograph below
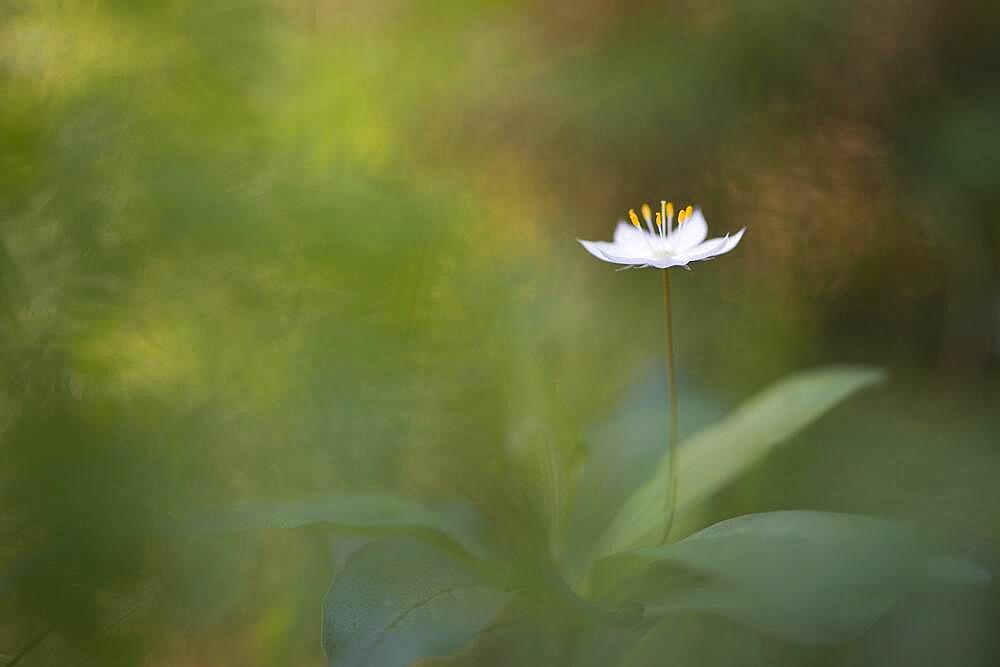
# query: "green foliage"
x,y
370,513
397,600
271,269
806,577
717,455
423,581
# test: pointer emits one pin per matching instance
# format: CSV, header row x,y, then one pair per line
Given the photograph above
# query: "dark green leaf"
x,y
807,577
399,599
957,571
707,640
719,454
525,633
623,453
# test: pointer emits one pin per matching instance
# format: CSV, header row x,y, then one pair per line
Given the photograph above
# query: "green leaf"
x,y
527,640
364,512
526,632
399,599
806,577
624,449
957,571
530,631
717,455
545,580
708,640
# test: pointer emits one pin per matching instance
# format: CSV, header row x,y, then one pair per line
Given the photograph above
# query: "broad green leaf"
x,y
624,449
957,571
368,512
806,577
717,455
702,639
526,632
399,600
543,579
523,641
530,631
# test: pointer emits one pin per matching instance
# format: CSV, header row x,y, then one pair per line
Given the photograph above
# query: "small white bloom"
x,y
662,246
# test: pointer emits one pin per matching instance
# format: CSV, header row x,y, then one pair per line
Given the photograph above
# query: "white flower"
x,y
664,245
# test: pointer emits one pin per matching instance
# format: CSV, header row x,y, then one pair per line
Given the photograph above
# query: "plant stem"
x,y
668,339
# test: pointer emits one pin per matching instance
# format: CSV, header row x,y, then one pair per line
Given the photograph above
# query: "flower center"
x,y
664,219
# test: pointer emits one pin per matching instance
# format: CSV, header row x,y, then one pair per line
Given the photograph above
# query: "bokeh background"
x,y
256,250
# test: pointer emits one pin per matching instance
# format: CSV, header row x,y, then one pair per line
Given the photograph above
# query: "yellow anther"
x,y
670,210
659,219
633,217
688,211
681,215
646,213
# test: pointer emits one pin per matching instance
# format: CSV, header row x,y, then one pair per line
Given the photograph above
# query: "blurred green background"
x,y
260,250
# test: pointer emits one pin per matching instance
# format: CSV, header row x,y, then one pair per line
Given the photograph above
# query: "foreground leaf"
x,y
701,639
806,577
365,512
530,631
717,455
524,633
624,449
399,599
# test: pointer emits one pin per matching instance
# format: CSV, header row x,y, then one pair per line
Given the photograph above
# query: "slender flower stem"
x,y
668,340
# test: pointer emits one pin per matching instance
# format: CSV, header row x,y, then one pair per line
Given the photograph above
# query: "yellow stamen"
x,y
681,216
646,213
659,219
669,210
688,211
633,217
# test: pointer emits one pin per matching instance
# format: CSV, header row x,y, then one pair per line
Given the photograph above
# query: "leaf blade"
x,y
768,419
398,600
808,577
715,456
362,512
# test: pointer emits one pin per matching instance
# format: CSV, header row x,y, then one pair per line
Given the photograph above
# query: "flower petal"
x,y
714,247
691,233
593,249
668,261
627,236
610,252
